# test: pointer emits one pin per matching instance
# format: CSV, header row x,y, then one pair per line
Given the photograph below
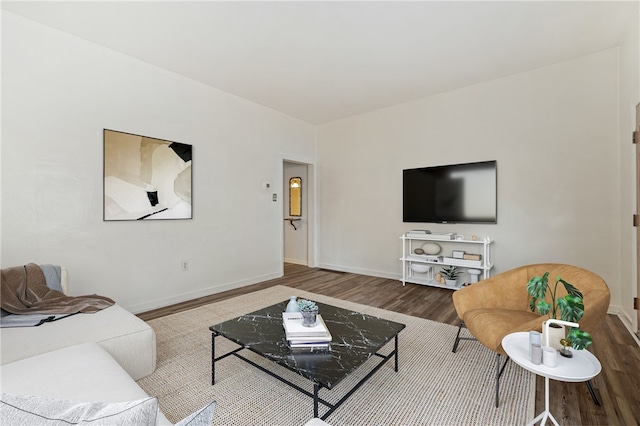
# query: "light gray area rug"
x,y
433,386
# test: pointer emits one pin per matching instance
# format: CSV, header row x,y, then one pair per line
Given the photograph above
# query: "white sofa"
x,y
85,357
128,339
84,372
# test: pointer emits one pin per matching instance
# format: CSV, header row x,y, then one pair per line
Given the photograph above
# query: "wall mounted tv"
x,y
456,193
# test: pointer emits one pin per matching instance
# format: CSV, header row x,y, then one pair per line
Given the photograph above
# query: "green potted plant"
x,y
570,307
309,311
450,274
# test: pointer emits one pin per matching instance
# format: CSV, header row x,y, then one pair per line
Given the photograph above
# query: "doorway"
x,y
637,298
298,222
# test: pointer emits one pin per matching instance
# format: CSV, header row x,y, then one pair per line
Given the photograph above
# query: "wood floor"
x,y
617,386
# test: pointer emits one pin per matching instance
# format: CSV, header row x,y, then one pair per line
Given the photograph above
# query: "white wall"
x,y
555,134
629,98
58,93
559,133
295,239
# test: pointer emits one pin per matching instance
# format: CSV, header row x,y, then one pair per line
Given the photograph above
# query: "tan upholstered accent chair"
x,y
499,305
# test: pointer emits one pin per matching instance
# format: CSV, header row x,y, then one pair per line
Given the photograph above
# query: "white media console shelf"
x,y
420,268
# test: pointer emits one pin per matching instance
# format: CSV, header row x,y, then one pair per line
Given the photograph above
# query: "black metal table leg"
x,y
593,393
316,388
213,359
396,353
455,344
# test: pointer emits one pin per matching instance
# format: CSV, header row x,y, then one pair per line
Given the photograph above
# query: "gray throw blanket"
x,y
24,291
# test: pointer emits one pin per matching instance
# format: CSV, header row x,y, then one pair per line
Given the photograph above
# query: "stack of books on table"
x,y
301,337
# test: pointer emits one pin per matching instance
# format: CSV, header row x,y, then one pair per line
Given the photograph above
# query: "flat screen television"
x,y
456,193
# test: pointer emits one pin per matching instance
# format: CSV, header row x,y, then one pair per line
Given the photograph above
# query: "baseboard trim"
x,y
296,261
628,323
184,297
359,271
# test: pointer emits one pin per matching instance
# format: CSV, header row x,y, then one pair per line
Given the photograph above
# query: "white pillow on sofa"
x,y
36,410
39,411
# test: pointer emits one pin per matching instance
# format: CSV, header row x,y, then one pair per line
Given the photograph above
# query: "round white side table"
x,y
582,367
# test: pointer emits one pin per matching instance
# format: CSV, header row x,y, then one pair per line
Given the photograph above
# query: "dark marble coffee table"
x,y
356,337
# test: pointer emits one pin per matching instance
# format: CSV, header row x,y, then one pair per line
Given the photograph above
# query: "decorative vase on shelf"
x,y
474,274
292,306
556,334
451,283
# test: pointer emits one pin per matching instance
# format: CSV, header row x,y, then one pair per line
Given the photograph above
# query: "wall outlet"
x,y
185,265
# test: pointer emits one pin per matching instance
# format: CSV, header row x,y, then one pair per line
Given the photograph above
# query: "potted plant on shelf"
x,y
450,275
570,308
309,311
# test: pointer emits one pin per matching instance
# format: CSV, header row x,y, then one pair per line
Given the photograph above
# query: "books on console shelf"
x,y
442,236
470,256
425,258
432,235
462,262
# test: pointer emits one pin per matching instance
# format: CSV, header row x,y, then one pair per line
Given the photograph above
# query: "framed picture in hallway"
x,y
146,178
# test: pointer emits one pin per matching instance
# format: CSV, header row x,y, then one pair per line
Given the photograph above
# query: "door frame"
x,y
637,218
311,191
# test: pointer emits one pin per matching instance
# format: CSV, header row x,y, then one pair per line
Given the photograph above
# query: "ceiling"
x,y
323,61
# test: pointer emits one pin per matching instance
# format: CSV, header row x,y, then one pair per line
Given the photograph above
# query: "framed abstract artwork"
x,y
146,178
